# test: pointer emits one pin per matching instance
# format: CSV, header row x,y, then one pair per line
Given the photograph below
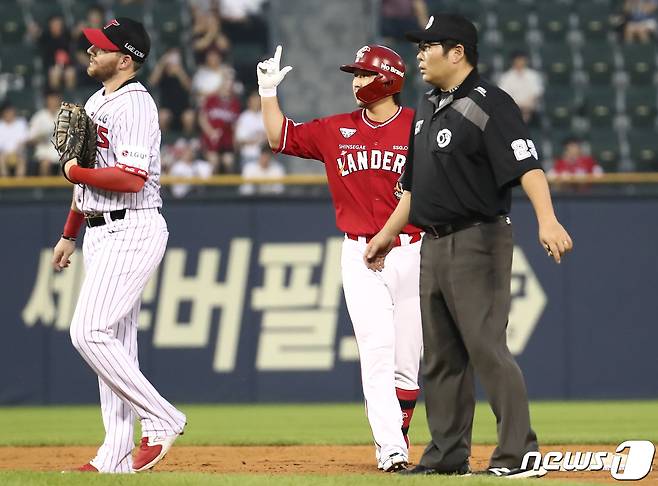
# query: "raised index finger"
x,y
277,54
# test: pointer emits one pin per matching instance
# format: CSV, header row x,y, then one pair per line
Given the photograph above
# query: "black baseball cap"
x,y
446,26
122,35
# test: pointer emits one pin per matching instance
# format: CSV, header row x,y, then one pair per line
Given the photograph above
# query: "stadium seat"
x,y
643,149
12,24
598,62
19,60
512,21
600,106
136,10
553,21
24,101
79,94
594,20
604,147
639,63
244,57
641,106
559,107
472,11
167,19
557,62
41,10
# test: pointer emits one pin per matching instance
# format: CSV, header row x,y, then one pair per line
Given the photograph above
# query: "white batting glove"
x,y
269,74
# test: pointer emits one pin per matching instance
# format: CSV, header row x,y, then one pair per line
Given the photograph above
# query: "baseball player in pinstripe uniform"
x,y
125,240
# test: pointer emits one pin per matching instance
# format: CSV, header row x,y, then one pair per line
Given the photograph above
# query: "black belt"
x,y
99,220
441,230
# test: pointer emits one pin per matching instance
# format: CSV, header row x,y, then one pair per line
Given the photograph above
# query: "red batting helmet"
x,y
386,63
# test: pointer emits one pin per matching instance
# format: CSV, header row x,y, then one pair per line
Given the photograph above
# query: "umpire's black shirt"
x,y
468,149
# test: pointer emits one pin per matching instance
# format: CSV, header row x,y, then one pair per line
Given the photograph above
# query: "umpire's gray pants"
x,y
465,301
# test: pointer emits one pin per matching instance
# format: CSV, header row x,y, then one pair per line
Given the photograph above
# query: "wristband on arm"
x,y
72,226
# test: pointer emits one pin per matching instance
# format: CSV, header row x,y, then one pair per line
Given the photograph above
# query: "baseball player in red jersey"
x,y
364,153
119,199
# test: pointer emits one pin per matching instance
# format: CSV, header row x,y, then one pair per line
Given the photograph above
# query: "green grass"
x,y
197,479
555,422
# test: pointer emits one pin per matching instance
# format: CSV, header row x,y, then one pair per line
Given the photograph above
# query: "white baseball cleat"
x,y
394,463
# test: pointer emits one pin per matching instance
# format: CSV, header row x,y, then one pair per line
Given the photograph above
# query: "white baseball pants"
x,y
120,256
385,311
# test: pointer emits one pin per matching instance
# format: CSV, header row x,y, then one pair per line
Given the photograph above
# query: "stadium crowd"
x,y
206,88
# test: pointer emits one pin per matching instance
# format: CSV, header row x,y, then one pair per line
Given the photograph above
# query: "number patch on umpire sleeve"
x,y
524,149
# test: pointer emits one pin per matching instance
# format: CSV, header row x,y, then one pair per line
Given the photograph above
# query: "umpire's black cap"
x,y
122,35
446,26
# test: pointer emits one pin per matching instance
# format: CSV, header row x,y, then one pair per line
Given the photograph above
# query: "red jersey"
x,y
363,161
582,165
222,114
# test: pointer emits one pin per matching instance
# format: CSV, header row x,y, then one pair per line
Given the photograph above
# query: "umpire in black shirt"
x,y
468,148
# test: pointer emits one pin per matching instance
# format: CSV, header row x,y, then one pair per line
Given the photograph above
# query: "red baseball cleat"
x,y
86,468
152,451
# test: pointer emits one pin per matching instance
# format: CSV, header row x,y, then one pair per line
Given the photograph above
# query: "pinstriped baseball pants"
x,y
119,259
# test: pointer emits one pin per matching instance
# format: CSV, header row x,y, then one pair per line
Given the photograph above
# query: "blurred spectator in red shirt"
x,y
574,162
217,119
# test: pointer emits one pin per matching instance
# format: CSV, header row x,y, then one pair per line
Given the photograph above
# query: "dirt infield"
x,y
275,460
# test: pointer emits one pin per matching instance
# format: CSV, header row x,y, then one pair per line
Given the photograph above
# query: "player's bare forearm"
x,y
74,206
399,218
273,119
380,245
535,185
552,235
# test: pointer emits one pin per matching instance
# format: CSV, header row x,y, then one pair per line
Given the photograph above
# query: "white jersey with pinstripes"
x,y
128,137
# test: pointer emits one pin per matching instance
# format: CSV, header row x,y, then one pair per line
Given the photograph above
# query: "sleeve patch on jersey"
x,y
133,156
133,170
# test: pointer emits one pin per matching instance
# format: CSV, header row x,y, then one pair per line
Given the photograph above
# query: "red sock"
x,y
407,399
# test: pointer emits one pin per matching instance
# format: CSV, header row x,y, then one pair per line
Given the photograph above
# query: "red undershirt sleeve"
x,y
108,178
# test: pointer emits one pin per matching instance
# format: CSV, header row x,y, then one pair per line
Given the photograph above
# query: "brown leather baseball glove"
x,y
75,135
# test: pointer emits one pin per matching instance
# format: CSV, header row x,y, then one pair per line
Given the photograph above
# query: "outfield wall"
x,y
247,305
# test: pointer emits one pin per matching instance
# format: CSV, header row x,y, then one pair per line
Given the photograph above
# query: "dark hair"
x,y
5,105
397,99
470,52
570,140
518,53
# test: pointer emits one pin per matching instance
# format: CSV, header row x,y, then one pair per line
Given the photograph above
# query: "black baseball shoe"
x,y
463,470
514,473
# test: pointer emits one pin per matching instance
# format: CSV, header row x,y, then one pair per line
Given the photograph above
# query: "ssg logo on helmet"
x,y
361,52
